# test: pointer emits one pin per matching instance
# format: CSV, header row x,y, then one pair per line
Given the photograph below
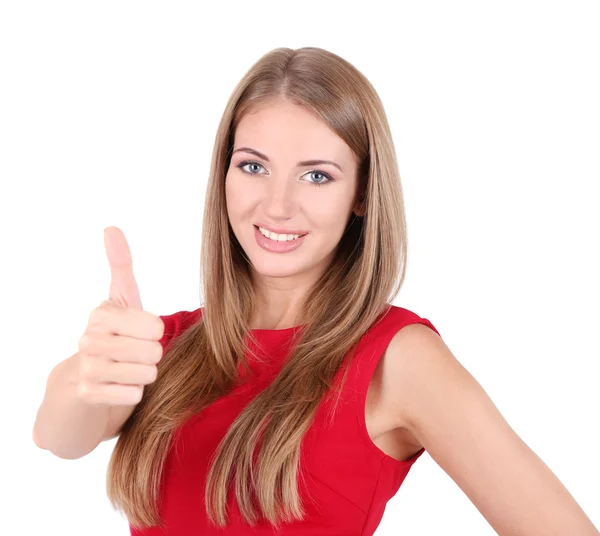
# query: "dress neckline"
x,y
275,331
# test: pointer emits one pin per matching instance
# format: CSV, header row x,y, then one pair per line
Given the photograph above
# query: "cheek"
x,y
234,198
329,215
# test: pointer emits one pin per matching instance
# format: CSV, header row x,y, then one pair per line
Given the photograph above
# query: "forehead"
x,y
280,128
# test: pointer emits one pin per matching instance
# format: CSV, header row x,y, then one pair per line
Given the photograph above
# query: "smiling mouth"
x,y
277,246
297,235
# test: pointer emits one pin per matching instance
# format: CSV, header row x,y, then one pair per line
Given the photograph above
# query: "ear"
x,y
359,208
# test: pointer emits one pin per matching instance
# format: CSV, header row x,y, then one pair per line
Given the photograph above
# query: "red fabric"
x,y
348,477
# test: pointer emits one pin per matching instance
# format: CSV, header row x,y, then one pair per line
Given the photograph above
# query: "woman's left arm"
x,y
450,414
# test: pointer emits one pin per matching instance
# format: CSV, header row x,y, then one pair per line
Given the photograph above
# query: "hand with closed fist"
x,y
120,349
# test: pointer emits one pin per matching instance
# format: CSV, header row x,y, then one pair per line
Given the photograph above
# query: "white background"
x,y
108,112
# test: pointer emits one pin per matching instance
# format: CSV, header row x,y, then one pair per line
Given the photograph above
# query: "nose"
x,y
278,198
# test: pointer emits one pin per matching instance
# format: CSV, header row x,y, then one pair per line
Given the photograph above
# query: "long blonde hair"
x,y
201,364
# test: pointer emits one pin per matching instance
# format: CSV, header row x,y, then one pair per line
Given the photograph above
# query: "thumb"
x,y
123,286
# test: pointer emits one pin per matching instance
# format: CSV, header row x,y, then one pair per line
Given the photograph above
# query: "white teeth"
x,y
278,237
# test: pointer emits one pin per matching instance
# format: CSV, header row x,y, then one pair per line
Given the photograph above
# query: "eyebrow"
x,y
302,163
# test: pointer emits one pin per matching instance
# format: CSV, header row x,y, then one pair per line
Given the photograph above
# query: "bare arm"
x,y
450,414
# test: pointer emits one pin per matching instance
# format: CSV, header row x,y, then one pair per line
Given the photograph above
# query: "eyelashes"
x,y
243,164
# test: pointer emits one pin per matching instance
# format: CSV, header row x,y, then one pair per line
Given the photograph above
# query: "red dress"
x,y
349,478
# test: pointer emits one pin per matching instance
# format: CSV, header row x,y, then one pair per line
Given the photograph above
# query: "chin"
x,y
275,268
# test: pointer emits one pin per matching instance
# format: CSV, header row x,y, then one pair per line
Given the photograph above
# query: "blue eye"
x,y
242,165
245,163
328,177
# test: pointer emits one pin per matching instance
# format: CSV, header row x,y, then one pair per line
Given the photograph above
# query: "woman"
x,y
296,400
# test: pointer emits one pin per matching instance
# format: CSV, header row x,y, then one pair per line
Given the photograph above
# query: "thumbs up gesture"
x,y
120,348
123,286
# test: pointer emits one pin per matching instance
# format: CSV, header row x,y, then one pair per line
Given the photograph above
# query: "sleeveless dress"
x,y
347,480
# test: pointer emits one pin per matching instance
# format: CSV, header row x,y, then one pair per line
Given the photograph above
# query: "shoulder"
x,y
427,392
415,353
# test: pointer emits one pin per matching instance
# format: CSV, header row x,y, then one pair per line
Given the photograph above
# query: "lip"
x,y
280,230
274,246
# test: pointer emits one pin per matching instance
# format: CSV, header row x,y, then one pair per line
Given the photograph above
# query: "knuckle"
x,y
145,374
122,373
86,367
140,375
106,304
153,373
157,352
160,329
138,394
97,316
132,394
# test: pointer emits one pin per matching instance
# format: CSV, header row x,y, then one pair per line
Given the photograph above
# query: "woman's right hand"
x,y
120,349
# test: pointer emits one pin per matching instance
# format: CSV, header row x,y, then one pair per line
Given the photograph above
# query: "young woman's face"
x,y
280,189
